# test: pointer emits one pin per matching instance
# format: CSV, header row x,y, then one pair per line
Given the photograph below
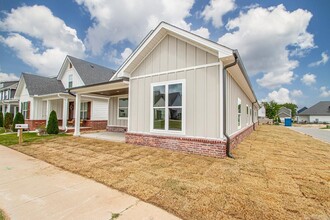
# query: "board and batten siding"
x,y
25,97
76,80
202,87
113,114
99,109
233,93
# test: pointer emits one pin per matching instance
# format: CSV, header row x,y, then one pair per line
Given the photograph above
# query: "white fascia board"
x,y
19,88
61,72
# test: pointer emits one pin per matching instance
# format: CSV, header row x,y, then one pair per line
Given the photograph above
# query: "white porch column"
x,y
15,112
47,111
65,113
77,116
3,110
8,108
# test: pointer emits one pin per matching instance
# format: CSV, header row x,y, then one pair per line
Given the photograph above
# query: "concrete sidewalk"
x,y
33,189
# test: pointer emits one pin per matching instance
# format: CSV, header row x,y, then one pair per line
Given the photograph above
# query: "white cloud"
x,y
325,92
203,32
281,96
263,37
308,79
131,20
273,80
123,56
216,9
27,25
324,60
296,93
8,77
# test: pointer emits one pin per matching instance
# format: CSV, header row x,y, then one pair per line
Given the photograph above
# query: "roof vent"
x,y
92,66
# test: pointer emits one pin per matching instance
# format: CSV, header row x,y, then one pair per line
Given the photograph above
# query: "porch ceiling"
x,y
112,92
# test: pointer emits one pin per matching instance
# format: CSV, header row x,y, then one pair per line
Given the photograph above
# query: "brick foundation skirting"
x,y
214,148
238,138
96,124
116,129
34,124
206,147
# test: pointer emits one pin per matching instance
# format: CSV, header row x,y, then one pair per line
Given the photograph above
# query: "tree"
x,y
8,120
271,109
1,119
52,126
293,108
19,119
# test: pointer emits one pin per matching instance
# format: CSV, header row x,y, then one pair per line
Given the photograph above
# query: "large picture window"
x,y
167,106
239,113
123,108
84,110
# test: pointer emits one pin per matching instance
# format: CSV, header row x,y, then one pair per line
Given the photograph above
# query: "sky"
x,y
284,45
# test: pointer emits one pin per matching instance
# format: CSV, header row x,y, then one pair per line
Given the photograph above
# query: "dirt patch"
x,y
277,174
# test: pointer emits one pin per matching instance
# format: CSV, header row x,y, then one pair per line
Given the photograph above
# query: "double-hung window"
x,y
123,108
25,109
70,81
84,110
239,113
168,106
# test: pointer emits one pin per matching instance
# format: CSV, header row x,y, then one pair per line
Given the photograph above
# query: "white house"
x,y
38,95
180,91
7,101
318,113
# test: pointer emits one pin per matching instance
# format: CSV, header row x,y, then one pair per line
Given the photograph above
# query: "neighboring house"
x,y
299,111
318,113
262,112
181,92
7,101
40,95
283,113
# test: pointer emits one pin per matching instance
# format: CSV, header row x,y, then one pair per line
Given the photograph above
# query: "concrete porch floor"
x,y
106,135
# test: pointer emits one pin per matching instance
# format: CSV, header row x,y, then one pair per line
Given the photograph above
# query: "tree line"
x,y
272,109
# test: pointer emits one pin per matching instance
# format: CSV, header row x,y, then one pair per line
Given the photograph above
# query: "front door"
x,y
71,109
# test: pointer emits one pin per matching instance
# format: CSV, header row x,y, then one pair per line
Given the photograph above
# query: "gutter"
x,y
225,106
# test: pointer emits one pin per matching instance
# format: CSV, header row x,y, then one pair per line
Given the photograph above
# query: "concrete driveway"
x,y
33,189
321,134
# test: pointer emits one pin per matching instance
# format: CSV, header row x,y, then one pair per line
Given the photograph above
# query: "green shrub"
x,y
52,126
19,119
1,119
8,120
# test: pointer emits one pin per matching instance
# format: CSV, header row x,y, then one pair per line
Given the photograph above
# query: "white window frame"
x,y
25,109
239,114
247,115
70,77
118,108
183,108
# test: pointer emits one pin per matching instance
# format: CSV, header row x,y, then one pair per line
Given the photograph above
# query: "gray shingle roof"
x,y
40,85
321,108
91,73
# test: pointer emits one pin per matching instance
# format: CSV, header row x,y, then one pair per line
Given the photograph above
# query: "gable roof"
x,y
90,73
40,85
9,85
301,110
320,108
224,53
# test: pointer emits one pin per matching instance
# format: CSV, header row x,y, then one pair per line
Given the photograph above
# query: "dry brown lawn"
x,y
277,174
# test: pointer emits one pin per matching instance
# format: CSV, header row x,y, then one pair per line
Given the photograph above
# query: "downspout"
x,y
225,106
